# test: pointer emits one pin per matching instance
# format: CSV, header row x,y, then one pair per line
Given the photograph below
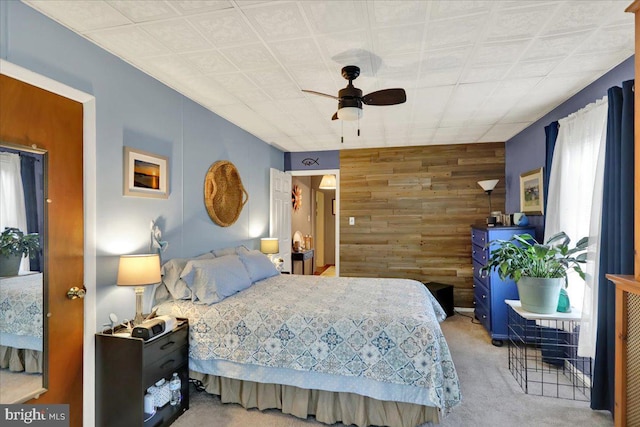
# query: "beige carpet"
x,y
491,396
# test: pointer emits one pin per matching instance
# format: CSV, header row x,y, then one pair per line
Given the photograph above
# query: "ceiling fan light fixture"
x,y
350,114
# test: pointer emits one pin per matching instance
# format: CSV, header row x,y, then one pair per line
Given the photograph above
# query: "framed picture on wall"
x,y
145,174
532,192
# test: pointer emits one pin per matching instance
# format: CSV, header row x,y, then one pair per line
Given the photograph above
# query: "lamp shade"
x,y
328,182
139,270
269,245
349,113
488,184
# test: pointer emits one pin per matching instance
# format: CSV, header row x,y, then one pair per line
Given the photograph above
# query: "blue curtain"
x,y
616,253
551,133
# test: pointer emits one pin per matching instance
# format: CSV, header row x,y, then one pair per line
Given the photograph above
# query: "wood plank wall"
x,y
413,208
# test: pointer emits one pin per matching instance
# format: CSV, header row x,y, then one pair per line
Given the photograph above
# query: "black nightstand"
x,y
444,295
126,367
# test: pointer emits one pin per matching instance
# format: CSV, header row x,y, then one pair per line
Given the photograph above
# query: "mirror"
x,y
23,279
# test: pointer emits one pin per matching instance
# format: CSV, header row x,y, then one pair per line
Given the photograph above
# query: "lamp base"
x,y
139,294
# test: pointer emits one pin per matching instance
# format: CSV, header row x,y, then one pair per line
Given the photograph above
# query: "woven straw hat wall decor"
x,y
224,195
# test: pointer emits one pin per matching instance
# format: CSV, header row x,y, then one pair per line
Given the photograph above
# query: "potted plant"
x,y
539,270
14,244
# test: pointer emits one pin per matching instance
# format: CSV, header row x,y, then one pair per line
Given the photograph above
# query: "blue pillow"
x,y
258,265
213,280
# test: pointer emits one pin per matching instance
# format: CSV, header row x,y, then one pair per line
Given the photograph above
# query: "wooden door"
x,y
30,115
319,233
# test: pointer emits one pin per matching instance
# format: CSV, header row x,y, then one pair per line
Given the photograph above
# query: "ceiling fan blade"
x,y
313,92
385,97
335,116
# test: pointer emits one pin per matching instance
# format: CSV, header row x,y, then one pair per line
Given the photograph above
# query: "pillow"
x,y
229,251
171,272
258,265
215,279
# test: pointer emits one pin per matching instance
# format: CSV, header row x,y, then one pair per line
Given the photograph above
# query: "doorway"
x,y
323,221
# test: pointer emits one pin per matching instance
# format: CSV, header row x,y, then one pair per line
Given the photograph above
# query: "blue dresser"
x,y
490,291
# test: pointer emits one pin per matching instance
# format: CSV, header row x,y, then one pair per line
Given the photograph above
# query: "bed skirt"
x,y
327,407
21,360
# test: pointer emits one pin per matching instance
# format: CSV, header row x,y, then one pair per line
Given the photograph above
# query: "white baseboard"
x,y
464,309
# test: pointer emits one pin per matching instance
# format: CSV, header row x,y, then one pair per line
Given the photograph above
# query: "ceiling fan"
x,y
350,99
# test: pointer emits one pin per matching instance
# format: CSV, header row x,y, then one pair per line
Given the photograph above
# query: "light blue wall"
x,y
135,110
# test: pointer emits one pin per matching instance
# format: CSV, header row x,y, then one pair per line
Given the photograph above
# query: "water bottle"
x,y
174,386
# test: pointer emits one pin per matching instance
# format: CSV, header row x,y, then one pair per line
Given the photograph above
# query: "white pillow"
x,y
171,272
215,279
229,251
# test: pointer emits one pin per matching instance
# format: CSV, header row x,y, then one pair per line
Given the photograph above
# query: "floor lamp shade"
x,y
328,182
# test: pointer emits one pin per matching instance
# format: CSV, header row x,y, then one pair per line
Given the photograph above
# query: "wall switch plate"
x,y
352,220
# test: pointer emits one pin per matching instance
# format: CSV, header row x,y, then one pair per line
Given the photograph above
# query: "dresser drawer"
x,y
160,347
480,276
164,367
480,254
483,315
481,294
478,237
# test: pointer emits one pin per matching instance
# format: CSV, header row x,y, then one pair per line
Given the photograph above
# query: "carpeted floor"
x,y
491,396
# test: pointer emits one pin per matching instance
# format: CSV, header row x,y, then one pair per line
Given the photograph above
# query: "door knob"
x,y
76,292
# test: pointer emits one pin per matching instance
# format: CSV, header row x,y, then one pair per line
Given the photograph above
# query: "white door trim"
x,y
335,172
89,182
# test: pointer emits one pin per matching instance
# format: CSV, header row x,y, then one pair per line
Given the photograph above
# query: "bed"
x,y
21,323
357,350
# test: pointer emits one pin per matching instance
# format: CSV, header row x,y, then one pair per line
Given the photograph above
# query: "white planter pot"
x,y
539,295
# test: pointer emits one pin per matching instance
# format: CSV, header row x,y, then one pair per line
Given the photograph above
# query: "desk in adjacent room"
x,y
302,256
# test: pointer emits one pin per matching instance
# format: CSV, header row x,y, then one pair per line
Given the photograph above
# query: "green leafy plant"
x,y
522,255
15,242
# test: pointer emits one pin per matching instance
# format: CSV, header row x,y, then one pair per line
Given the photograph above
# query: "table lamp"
x,y
139,271
270,246
488,185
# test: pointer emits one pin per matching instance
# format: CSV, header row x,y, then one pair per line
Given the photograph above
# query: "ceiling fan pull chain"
x,y
358,125
341,132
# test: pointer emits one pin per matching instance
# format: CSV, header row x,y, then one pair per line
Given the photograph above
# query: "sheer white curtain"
x,y
12,207
575,204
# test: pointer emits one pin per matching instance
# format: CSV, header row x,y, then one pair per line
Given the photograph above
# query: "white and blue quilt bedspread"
x,y
376,337
21,311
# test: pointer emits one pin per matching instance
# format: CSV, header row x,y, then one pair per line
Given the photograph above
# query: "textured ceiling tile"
x,y
341,47
225,28
456,8
278,21
250,57
395,40
534,68
81,15
554,46
250,95
398,13
210,62
580,15
143,10
484,73
519,23
591,62
290,91
130,42
499,53
468,97
269,77
503,132
178,35
455,32
207,90
610,39
297,51
170,65
234,82
399,68
445,59
431,78
200,6
335,16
